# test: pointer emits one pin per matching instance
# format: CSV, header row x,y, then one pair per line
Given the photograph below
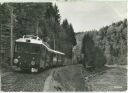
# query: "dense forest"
x,y
42,19
108,45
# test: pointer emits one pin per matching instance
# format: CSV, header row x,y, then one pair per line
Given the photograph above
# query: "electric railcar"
x,y
31,53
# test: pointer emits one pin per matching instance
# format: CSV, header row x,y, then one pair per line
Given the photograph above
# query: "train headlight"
x,y
33,62
16,61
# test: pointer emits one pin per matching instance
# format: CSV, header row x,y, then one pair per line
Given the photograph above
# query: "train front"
x,y
27,54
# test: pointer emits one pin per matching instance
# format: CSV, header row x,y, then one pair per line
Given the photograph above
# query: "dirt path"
x,y
66,78
50,84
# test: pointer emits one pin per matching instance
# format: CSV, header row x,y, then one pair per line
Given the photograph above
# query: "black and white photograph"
x,y
63,46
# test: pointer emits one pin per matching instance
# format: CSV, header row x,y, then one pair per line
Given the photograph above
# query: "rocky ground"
x,y
67,78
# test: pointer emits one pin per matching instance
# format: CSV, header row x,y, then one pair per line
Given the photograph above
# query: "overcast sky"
x,y
87,15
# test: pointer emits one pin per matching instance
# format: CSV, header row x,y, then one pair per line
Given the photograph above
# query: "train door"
x,y
59,59
43,57
62,59
49,59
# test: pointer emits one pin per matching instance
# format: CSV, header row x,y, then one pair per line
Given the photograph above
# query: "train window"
x,y
17,47
55,58
35,48
26,47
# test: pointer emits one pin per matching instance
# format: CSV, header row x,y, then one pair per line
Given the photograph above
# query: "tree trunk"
x,y
37,29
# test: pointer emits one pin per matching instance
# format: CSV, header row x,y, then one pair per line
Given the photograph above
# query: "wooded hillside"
x,y
112,40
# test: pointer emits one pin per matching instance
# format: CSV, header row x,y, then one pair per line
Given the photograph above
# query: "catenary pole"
x,y
11,42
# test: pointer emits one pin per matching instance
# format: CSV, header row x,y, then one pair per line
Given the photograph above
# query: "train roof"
x,y
51,50
30,39
36,40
